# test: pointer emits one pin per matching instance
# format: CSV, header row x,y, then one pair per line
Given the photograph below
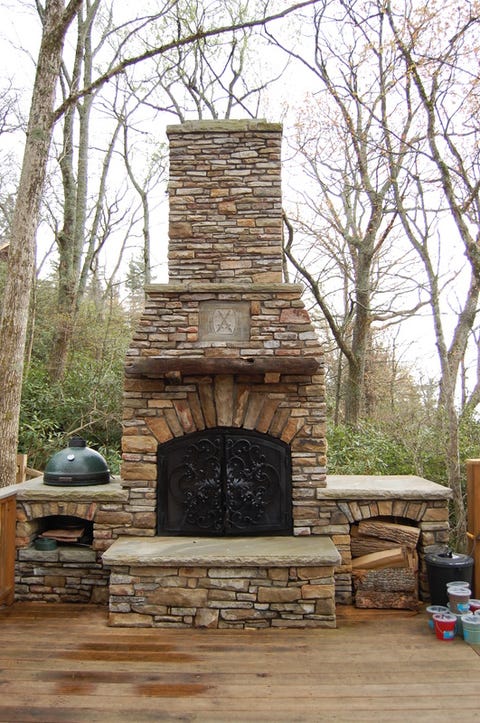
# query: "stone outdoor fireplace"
x,y
223,516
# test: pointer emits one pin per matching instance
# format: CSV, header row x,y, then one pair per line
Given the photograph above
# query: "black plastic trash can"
x,y
446,566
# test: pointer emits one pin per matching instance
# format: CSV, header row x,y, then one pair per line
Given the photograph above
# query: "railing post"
x,y
7,548
21,468
473,519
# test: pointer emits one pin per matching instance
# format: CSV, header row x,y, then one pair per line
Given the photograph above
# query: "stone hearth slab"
x,y
232,552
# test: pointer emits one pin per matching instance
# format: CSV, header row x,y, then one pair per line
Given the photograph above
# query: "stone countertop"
x,y
9,491
368,487
35,490
313,550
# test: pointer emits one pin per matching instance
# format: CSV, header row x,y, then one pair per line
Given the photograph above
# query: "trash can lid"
x,y
447,558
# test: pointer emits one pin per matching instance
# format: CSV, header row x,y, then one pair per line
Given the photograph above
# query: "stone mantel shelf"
x,y
35,490
314,550
155,366
376,487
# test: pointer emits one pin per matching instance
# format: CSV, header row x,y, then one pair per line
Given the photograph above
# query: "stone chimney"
x,y
225,202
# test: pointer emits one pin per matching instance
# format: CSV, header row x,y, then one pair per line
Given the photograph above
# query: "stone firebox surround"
x,y
161,405
224,344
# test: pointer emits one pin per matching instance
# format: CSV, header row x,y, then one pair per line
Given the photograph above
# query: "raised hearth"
x,y
227,583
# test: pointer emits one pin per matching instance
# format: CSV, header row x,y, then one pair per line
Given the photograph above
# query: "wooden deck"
x,y
63,663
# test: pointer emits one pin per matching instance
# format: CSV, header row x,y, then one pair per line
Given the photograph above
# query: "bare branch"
x,y
176,43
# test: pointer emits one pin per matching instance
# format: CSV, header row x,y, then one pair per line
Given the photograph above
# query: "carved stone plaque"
x,y
224,321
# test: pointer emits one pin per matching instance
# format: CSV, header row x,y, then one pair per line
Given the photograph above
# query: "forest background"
x,y
379,100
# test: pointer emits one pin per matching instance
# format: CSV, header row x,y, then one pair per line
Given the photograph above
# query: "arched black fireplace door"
x,y
224,481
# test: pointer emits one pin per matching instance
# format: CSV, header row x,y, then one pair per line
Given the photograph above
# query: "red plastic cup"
x,y
445,624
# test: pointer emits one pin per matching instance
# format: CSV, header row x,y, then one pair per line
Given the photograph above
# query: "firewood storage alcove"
x,y
385,563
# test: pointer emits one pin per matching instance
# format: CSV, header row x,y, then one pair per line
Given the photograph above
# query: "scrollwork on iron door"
x,y
224,481
195,486
251,484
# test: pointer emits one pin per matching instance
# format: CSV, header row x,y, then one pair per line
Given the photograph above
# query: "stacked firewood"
x,y
385,564
68,534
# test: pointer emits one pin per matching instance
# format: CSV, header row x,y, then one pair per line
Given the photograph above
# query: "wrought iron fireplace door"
x,y
224,481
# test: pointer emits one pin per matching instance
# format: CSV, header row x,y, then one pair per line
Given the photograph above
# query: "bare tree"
x,y
74,171
13,323
201,77
347,248
407,92
439,68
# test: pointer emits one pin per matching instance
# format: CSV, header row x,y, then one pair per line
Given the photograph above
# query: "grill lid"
x,y
76,465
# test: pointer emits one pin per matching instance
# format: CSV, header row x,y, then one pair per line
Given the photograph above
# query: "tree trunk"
x,y
71,239
21,260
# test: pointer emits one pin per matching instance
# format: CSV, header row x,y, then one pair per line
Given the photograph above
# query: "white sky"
x,y
19,38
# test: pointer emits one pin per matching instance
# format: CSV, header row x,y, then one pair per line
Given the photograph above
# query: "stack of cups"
x,y
435,610
459,602
445,625
458,597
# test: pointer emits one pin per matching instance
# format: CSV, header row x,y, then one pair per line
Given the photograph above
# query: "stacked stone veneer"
x,y
225,254
222,597
290,407
225,202
70,573
79,574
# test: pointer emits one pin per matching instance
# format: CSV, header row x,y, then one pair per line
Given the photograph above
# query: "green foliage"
x,y
469,432
366,450
382,449
88,400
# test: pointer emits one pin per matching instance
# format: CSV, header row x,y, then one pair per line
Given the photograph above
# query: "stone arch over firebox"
x,y
227,401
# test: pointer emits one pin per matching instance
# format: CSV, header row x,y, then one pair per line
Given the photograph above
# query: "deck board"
x,y
63,663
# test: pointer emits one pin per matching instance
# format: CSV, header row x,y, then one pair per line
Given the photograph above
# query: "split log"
x,y
412,559
385,600
387,588
394,557
71,534
363,545
401,534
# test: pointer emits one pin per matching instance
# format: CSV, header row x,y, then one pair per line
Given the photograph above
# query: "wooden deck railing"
x,y
7,548
7,529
